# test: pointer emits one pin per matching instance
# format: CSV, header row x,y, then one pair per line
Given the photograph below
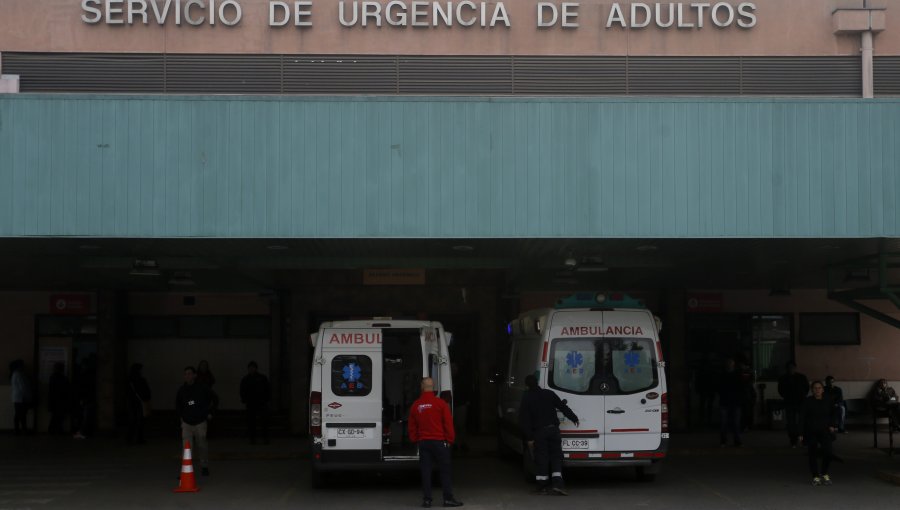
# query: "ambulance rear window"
x,y
603,366
351,376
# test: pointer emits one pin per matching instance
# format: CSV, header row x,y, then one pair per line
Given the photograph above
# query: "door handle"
x,y
615,411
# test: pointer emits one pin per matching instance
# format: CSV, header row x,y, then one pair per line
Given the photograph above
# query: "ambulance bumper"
x,y
358,460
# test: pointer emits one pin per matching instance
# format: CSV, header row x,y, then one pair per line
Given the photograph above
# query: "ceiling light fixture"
x,y
145,267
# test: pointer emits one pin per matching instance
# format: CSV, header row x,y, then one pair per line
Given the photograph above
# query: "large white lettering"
x,y
145,12
419,14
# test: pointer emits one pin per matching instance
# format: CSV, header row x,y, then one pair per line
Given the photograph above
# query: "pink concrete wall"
x,y
856,366
796,27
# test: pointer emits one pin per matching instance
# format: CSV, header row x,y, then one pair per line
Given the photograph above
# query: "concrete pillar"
x,y
674,340
111,371
297,350
868,69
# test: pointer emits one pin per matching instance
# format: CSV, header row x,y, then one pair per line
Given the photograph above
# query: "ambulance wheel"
x,y
317,479
644,475
503,451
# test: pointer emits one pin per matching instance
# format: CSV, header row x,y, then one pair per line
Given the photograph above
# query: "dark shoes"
x,y
452,502
559,491
426,503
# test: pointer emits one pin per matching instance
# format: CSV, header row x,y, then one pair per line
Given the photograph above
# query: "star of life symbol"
x,y
191,402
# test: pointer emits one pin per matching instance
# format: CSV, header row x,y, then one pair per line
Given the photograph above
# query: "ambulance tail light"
x,y
664,414
447,396
315,413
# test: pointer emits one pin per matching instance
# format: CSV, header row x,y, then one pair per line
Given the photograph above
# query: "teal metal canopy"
x,y
421,167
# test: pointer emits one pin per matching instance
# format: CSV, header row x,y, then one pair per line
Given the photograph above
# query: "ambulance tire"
x,y
317,479
503,450
644,474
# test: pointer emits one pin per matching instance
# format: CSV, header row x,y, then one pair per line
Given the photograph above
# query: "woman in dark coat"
x,y
818,421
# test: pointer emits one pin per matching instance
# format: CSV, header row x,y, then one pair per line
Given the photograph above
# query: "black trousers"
x,y
818,443
20,422
135,422
548,456
257,415
792,419
431,453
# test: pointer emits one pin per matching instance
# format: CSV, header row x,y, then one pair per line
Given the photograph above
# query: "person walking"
x,y
793,388
540,426
255,396
731,403
57,398
138,403
818,423
431,426
21,396
836,394
194,405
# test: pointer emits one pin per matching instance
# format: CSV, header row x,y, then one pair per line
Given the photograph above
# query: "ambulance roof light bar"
x,y
593,299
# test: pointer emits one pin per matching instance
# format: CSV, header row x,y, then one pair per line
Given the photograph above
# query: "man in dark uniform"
x,y
793,388
431,426
194,405
255,395
537,417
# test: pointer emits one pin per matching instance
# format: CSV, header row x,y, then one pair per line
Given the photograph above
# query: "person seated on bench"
x,y
884,400
836,394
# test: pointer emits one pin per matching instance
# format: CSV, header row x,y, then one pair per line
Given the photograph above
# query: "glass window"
x,y
603,366
351,376
772,345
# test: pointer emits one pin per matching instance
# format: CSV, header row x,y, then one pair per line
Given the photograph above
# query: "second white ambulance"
x,y
602,354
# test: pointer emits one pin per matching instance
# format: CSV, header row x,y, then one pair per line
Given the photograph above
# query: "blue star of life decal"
x,y
574,359
632,359
351,372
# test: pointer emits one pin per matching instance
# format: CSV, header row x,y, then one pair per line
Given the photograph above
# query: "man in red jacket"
x,y
431,425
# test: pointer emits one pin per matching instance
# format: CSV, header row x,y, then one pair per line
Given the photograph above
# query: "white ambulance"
x,y
365,376
601,353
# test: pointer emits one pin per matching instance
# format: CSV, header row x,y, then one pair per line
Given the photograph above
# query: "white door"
x,y
633,411
352,390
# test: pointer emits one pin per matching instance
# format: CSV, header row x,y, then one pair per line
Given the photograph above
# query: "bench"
x,y
879,412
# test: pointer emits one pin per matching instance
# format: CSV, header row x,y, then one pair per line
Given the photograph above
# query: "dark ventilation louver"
x,y
802,76
329,74
455,75
662,76
569,76
87,72
223,74
447,75
887,76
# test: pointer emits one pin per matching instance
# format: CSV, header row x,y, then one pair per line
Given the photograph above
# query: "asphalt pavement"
x,y
41,472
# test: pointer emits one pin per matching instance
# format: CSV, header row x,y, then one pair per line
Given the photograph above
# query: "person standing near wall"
x,y
194,406
21,396
138,404
255,396
57,398
793,388
817,421
731,403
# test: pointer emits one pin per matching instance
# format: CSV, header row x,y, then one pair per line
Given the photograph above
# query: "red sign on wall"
x,y
70,304
704,302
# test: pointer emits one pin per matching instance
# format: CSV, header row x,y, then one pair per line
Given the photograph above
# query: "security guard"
x,y
537,417
431,425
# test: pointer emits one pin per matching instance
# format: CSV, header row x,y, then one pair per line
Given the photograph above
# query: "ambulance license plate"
x,y
351,433
575,444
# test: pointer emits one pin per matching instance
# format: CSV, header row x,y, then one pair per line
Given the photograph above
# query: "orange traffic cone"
x,y
187,483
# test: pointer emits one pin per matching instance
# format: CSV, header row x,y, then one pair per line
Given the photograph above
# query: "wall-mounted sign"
x,y
420,14
394,277
70,304
698,302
